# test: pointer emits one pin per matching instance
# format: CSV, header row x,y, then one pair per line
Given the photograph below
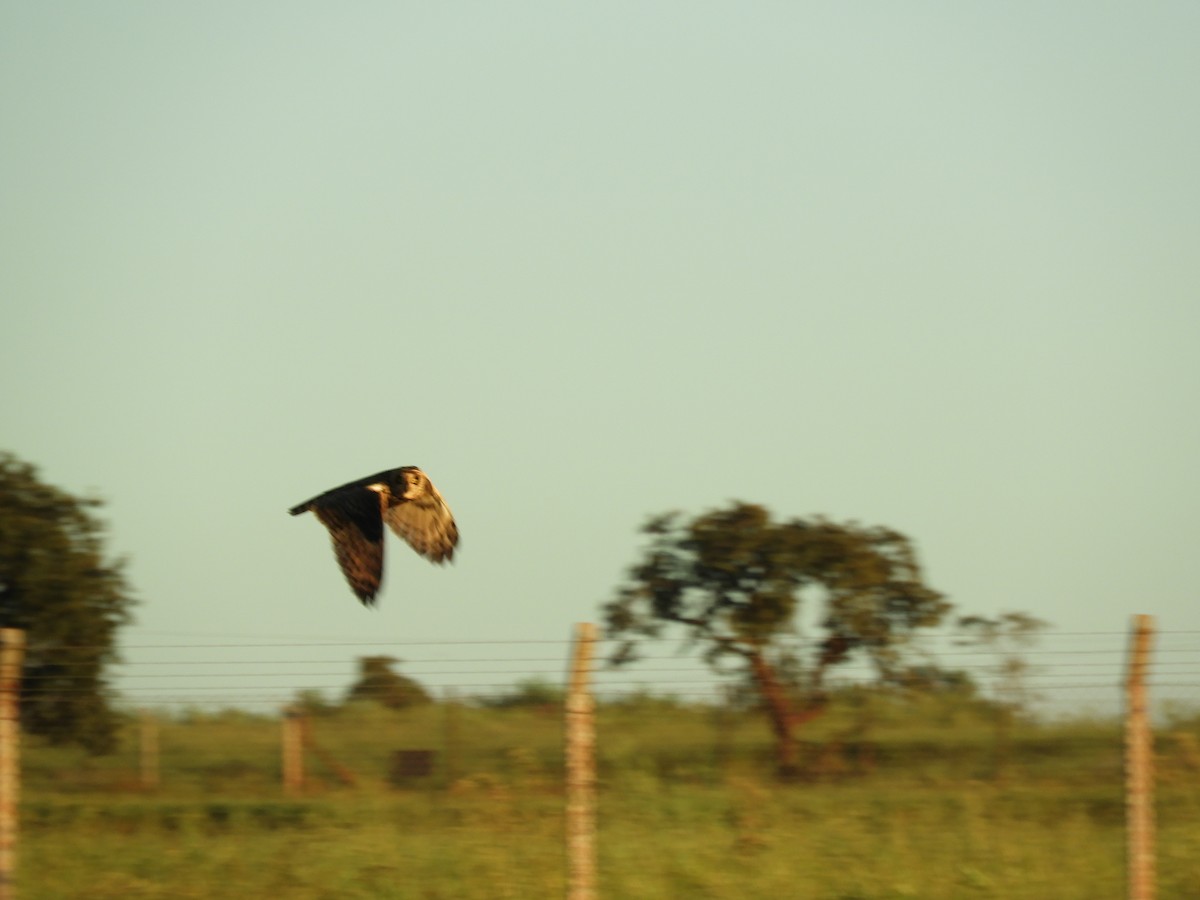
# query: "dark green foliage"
x,y
927,678
533,692
378,683
56,584
737,582
314,703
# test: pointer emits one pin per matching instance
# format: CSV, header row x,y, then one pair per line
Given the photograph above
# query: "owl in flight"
x,y
354,513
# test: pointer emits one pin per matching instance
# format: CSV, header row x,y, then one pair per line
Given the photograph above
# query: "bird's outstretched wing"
x,y
421,518
354,517
354,514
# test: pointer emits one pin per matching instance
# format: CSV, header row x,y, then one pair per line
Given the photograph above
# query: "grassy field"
x,y
927,804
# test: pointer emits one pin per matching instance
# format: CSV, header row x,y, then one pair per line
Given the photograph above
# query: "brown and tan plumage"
x,y
355,513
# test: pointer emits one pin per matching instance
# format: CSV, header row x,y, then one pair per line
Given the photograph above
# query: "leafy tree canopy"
x,y
57,585
737,581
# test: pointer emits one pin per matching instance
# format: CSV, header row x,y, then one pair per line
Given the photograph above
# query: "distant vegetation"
x,y
865,736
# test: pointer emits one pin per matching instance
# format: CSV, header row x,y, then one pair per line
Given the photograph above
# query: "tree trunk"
x,y
784,719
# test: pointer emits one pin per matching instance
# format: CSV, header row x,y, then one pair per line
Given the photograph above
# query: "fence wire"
x,y
1049,676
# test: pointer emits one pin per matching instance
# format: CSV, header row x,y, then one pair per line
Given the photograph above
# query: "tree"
x,y
737,582
56,584
377,682
1006,636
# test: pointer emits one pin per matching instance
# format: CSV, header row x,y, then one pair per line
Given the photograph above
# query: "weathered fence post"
x,y
581,769
12,651
340,772
293,751
148,751
1139,766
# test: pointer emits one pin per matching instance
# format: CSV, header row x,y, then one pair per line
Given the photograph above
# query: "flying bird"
x,y
354,513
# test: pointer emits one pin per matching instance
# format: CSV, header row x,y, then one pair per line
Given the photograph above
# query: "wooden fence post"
x,y
581,769
12,651
340,772
148,755
293,751
1139,766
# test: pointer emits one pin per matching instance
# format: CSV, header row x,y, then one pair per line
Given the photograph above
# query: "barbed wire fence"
x,y
170,685
262,675
1067,674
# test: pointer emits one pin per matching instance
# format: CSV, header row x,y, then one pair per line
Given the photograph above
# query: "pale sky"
x,y
926,265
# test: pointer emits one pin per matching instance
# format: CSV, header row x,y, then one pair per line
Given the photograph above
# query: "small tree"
x,y
1007,636
737,582
378,683
56,584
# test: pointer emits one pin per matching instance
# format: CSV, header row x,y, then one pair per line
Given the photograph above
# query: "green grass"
x,y
744,839
687,808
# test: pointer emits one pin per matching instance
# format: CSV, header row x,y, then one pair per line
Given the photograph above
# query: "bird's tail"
x,y
302,508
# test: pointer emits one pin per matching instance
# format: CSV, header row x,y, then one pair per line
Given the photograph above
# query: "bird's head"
x,y
415,484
